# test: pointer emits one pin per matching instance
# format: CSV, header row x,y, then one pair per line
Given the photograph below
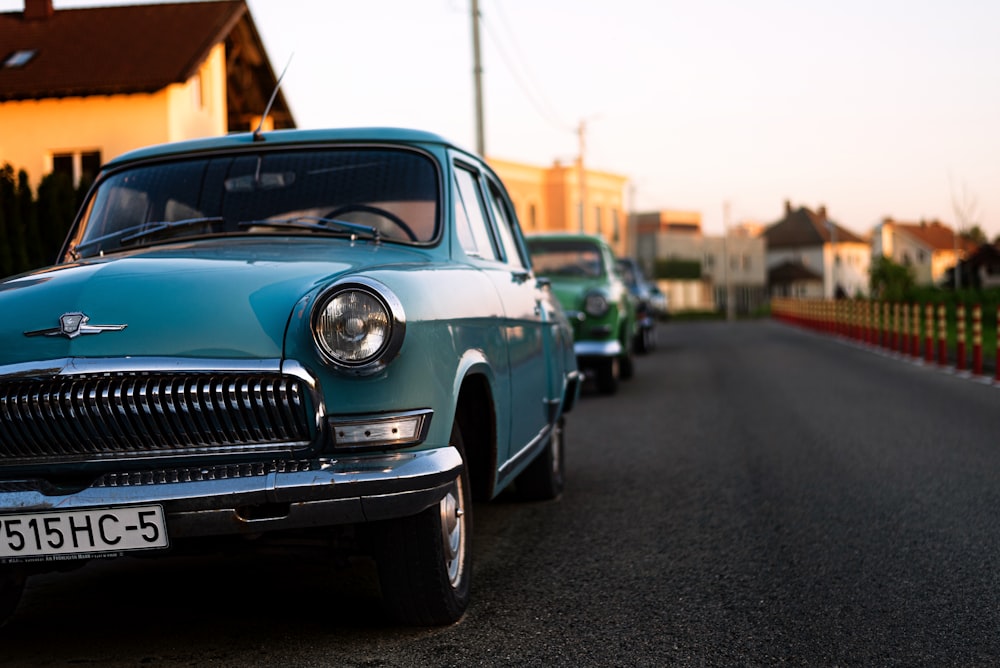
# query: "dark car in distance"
x,y
645,313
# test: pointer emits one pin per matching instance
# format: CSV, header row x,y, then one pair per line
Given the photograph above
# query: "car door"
x,y
506,265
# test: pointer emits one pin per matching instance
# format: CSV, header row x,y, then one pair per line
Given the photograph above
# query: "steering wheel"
x,y
378,211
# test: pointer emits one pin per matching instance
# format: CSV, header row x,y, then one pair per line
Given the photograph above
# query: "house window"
x,y
197,99
709,260
615,230
63,164
532,217
597,219
19,58
80,166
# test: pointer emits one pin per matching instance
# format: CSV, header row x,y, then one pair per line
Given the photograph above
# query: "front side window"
x,y
476,238
388,194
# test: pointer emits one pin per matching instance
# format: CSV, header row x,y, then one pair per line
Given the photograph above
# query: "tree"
x,y
974,235
33,251
966,210
57,204
890,280
7,209
17,214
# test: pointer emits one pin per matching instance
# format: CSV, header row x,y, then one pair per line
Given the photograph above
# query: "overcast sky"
x,y
873,108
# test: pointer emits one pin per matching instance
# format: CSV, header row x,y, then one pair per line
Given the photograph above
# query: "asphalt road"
x,y
757,495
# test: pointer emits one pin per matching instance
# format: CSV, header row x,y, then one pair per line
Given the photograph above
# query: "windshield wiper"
x,y
317,223
141,231
149,229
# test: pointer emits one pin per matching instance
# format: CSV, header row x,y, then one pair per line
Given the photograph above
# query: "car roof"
x,y
582,236
287,138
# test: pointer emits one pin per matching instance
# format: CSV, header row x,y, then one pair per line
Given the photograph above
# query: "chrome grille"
x,y
85,418
198,474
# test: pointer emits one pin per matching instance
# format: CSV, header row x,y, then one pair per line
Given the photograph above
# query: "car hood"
x,y
204,300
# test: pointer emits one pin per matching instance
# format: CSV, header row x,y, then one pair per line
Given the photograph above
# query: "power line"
x,y
544,109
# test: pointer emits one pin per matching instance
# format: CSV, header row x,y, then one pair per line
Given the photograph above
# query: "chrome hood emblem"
x,y
72,325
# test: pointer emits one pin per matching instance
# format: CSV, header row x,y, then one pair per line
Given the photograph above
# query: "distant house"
x,y
979,269
929,249
730,271
792,279
80,86
806,246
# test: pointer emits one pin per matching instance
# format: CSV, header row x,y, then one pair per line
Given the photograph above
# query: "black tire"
x,y
645,341
608,374
627,366
648,340
544,478
425,561
11,587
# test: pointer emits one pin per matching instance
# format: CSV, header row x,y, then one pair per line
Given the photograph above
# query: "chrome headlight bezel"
x,y
596,304
358,326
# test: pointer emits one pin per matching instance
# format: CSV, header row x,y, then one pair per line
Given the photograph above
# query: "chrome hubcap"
x,y
452,532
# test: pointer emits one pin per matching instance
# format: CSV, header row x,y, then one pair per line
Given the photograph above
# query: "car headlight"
x,y
596,305
358,326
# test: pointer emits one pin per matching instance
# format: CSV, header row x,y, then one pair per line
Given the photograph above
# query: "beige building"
x,y
81,86
548,199
732,270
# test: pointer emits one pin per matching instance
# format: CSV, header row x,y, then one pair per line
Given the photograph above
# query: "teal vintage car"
x,y
583,272
251,337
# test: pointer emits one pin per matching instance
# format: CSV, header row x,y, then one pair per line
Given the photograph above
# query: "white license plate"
x,y
67,534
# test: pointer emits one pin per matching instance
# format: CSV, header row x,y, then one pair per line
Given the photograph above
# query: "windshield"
x,y
382,194
577,258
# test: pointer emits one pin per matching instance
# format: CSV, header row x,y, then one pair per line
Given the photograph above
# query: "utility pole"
x,y
832,228
581,176
477,75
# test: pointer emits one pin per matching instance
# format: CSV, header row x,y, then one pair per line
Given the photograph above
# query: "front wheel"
x,y
11,587
544,478
424,561
608,374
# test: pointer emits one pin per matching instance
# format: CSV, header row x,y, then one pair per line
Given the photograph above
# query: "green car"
x,y
254,339
584,275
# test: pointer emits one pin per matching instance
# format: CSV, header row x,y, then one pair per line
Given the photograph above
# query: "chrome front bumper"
x,y
611,348
359,488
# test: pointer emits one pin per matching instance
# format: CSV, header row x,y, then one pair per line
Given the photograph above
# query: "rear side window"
x,y
506,227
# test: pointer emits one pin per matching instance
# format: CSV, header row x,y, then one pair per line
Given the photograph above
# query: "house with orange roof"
x,y
80,86
930,249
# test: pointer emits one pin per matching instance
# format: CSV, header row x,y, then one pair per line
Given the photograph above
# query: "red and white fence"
x,y
918,331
